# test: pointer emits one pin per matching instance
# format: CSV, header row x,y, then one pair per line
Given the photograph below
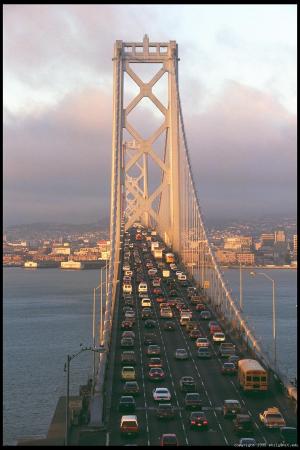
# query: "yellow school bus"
x,y
252,376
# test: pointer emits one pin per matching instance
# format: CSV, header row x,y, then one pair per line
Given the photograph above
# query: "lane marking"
x,y
107,439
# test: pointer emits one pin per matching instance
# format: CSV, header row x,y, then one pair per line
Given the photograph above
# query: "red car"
x,y
160,299
127,324
157,291
156,374
200,307
169,439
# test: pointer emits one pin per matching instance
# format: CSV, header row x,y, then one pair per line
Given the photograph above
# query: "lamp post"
x,y
273,312
67,369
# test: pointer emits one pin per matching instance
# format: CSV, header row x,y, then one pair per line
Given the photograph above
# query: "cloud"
x,y
243,152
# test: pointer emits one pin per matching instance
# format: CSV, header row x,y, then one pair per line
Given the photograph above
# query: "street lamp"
x,y
241,288
273,311
67,369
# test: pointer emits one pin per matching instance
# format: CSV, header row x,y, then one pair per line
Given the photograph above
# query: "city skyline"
x,y
240,120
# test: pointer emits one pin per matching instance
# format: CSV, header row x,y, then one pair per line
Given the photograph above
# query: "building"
x,y
61,250
267,239
226,257
280,236
295,247
247,259
238,243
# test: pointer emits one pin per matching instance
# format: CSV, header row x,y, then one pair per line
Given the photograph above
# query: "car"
x,y
127,308
128,357
218,337
204,353
127,342
129,425
231,408
191,325
272,418
146,313
127,324
173,293
156,374
166,313
143,287
126,334
131,387
157,291
234,359
193,400
149,323
181,353
226,349
154,362
129,302
205,315
128,373
168,439
198,420
146,302
160,299
150,338
200,307
153,349
187,384
165,411
127,403
229,368
288,435
215,329
161,394
130,315
195,334
247,442
243,423
202,342
169,326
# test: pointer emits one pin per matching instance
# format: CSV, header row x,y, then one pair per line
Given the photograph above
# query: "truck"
x,y
272,418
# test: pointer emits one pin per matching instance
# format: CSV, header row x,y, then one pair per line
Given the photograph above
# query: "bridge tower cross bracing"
x,y
138,203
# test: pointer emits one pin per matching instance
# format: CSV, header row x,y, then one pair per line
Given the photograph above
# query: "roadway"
x,y
211,384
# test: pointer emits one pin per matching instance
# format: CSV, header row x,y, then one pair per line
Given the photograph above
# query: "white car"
x,y
161,393
218,337
146,303
181,353
143,287
202,342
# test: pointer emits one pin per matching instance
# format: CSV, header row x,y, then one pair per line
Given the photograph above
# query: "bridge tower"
x,y
130,194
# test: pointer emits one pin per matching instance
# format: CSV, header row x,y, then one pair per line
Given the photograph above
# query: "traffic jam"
x,y
178,379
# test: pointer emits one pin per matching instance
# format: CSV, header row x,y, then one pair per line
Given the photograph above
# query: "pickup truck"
x,y
272,418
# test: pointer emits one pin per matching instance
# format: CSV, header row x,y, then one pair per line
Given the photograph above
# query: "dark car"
x,y
243,424
127,324
147,313
191,325
153,350
131,387
150,338
154,362
165,411
156,374
169,439
204,353
206,315
150,323
127,342
229,368
200,307
169,326
198,420
173,293
128,357
193,400
187,384
195,334
127,403
231,408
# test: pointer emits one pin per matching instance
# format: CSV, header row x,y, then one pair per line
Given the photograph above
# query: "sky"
x,y
237,78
